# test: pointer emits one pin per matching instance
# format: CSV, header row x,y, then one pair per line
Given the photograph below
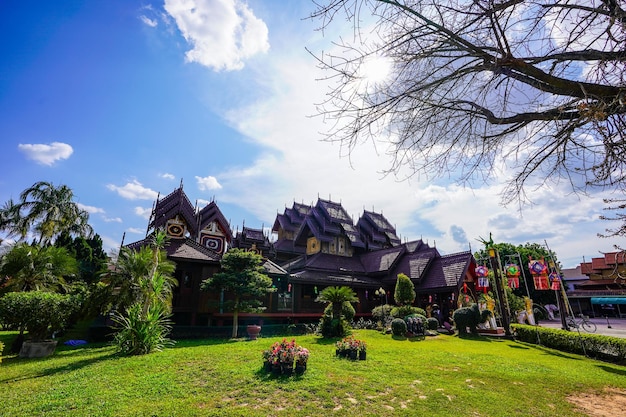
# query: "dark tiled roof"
x,y
274,269
382,260
292,218
167,208
253,234
326,221
321,278
285,245
188,249
212,213
377,230
183,249
334,263
416,264
446,271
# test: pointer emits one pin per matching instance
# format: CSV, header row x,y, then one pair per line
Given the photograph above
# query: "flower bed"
x,y
282,356
351,348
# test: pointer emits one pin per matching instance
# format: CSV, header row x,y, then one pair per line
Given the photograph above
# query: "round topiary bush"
x,y
433,323
398,327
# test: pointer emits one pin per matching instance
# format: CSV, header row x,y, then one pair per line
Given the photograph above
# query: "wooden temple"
x,y
312,247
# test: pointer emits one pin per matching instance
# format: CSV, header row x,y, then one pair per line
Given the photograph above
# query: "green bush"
x,y
398,327
347,310
607,348
382,312
139,333
404,311
40,313
432,323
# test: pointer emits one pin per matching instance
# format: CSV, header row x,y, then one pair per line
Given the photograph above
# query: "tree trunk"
x,y
235,318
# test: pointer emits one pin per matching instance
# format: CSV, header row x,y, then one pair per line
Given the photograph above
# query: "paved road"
x,y
612,327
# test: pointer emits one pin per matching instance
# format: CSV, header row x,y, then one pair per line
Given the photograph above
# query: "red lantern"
x,y
555,281
513,282
541,282
481,271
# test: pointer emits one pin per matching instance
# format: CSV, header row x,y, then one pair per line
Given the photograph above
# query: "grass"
x,y
438,376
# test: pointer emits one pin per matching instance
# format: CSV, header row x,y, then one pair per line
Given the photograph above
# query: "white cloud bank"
x,y
46,154
297,166
223,33
134,190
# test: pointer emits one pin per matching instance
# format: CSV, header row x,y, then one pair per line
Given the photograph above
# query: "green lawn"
x,y
438,376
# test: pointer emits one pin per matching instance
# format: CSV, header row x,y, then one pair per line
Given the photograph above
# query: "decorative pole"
x,y
497,273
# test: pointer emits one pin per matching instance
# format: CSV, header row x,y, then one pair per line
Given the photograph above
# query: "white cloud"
x,y
46,154
134,191
202,202
208,183
135,230
143,212
112,219
222,33
168,176
297,166
148,22
90,209
111,245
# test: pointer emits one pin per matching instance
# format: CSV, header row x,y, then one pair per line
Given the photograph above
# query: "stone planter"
x,y
38,349
362,355
253,331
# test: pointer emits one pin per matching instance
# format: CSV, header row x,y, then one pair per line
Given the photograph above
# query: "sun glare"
x,y
375,69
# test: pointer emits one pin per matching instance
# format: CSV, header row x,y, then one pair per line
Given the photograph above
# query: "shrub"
x,y
40,313
364,324
139,333
404,311
398,327
347,310
607,348
382,312
432,323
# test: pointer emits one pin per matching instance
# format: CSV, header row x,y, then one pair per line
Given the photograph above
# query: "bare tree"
x,y
535,89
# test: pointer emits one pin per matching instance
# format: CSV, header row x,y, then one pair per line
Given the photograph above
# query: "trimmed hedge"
x,y
607,348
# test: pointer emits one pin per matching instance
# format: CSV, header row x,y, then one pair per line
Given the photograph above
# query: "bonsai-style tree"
x,y
336,297
243,276
405,291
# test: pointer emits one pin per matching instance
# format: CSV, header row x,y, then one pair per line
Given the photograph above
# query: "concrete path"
x,y
612,327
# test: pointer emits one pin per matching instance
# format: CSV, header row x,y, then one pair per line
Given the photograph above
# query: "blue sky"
x,y
122,99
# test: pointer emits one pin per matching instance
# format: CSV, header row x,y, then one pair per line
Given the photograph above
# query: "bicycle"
x,y
584,322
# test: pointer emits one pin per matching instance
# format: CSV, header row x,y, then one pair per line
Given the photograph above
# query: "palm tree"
x,y
37,268
144,276
11,220
336,296
47,211
145,282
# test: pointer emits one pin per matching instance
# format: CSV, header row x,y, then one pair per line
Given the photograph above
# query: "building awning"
x,y
608,300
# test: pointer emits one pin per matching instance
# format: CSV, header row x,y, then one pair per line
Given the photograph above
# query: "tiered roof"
x,y
377,232
326,221
211,213
175,203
